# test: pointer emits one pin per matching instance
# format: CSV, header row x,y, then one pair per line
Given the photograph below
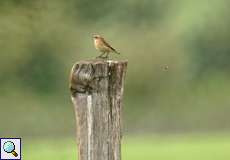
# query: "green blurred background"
x,y
179,113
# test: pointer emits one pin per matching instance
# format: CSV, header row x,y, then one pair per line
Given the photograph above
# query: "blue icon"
x,y
9,147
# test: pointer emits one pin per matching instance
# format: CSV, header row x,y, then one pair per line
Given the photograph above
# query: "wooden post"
x,y
96,90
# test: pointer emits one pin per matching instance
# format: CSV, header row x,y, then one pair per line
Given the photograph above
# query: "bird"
x,y
102,46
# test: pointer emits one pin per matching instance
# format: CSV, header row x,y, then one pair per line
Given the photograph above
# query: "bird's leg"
x,y
107,54
101,55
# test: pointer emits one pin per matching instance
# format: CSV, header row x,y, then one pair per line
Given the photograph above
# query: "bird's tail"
x,y
115,51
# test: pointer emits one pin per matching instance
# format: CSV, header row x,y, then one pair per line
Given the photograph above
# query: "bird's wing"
x,y
107,45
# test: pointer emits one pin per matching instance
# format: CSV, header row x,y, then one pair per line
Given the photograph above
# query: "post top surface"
x,y
101,61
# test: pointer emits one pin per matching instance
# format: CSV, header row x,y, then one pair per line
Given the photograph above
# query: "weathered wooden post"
x,y
96,90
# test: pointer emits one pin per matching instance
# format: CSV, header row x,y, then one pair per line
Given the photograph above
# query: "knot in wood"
x,y
81,78
85,73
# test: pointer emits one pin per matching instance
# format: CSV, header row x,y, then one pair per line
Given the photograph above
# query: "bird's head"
x,y
96,36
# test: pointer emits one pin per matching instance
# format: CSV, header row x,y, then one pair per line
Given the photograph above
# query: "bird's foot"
x,y
98,57
106,57
102,57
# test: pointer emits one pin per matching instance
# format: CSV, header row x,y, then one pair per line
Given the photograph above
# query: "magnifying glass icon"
x,y
9,147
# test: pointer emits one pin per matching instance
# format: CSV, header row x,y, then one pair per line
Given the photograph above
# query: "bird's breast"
x,y
99,45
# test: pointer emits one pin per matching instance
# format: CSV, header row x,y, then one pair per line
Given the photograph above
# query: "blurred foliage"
x,y
41,40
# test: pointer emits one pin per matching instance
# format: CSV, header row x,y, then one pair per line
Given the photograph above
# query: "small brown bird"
x,y
102,46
